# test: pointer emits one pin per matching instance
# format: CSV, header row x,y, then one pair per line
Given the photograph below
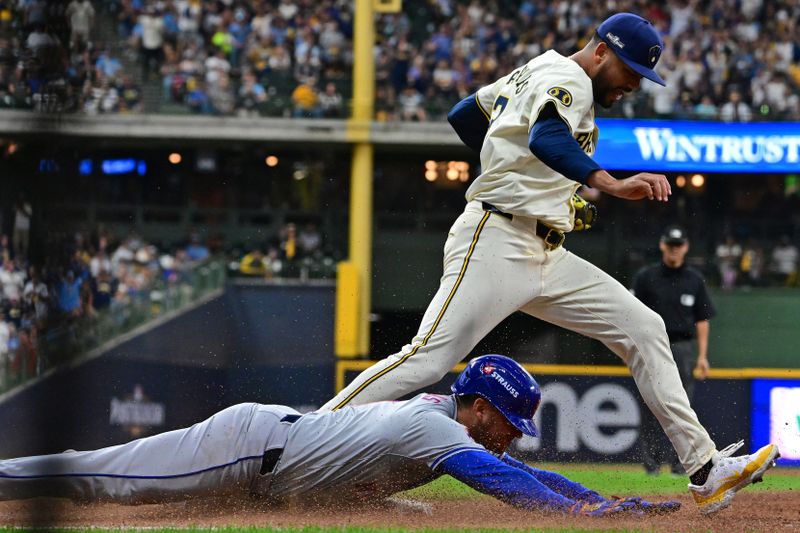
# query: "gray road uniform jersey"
x,y
362,452
369,451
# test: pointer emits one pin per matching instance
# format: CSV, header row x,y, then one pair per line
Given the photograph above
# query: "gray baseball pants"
x,y
219,456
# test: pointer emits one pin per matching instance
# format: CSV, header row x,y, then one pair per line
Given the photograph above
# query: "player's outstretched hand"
x,y
643,185
655,508
606,508
637,187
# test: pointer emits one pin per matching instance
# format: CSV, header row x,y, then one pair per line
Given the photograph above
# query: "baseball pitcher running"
x,y
357,454
535,130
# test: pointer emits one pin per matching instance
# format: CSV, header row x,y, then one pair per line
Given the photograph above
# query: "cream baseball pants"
x,y
494,266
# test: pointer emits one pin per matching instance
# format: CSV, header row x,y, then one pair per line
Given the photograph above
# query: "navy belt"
x,y
271,457
552,237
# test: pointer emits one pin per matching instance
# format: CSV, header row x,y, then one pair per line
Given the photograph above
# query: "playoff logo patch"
x,y
561,94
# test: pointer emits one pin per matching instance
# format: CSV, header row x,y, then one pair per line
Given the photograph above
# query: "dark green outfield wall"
x,y
759,328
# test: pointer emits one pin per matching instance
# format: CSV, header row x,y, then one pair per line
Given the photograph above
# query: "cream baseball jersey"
x,y
512,178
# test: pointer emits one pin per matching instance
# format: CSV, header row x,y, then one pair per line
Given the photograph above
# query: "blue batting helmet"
x,y
506,385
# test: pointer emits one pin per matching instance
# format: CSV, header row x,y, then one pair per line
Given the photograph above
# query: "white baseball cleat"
x,y
731,474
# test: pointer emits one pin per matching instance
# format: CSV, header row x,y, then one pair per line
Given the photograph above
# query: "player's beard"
x,y
602,90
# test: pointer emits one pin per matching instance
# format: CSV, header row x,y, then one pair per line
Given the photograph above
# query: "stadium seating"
x,y
721,62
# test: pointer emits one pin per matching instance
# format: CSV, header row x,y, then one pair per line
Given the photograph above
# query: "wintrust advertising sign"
x,y
698,146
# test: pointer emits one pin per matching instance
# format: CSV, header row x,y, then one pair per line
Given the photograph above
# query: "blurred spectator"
x,y
198,98
108,66
5,248
5,336
81,18
151,41
197,251
217,66
309,240
289,241
12,280
12,312
411,105
130,96
40,40
68,294
36,297
104,288
330,102
728,254
253,264
705,110
734,110
220,94
98,262
751,264
101,99
775,94
251,95
22,226
305,100
223,40
784,262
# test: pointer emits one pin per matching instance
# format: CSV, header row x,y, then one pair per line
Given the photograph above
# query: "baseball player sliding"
x,y
535,130
357,454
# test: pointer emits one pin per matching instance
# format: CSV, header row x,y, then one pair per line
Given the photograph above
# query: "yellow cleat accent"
x,y
731,474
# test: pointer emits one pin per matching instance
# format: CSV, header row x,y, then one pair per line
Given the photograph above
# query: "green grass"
x,y
618,480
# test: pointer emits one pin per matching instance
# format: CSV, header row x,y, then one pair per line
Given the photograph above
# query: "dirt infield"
x,y
760,511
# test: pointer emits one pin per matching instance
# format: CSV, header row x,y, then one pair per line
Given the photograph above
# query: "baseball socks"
x,y
700,477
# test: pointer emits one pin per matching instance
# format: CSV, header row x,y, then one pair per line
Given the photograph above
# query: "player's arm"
x,y
589,501
487,474
556,482
551,141
702,367
703,312
470,121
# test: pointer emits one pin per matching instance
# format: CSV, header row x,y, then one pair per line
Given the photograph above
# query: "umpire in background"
x,y
679,294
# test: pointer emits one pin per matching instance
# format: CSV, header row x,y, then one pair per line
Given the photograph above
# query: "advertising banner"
x,y
776,417
691,146
594,418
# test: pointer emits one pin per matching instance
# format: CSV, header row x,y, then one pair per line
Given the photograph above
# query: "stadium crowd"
x,y
733,60
86,275
49,62
83,277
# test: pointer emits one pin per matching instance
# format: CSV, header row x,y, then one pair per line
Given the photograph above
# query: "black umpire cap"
x,y
674,235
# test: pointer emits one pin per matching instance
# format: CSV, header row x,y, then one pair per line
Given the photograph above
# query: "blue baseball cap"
x,y
635,41
506,385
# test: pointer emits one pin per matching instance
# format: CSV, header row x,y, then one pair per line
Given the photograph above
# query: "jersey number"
x,y
499,106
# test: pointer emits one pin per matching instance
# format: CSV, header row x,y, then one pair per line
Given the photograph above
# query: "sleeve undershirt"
x,y
515,486
552,143
557,482
469,121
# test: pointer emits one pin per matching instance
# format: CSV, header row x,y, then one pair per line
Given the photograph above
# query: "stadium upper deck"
x,y
734,60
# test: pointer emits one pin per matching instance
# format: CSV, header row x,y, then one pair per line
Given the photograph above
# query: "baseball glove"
x,y
651,508
606,508
585,213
